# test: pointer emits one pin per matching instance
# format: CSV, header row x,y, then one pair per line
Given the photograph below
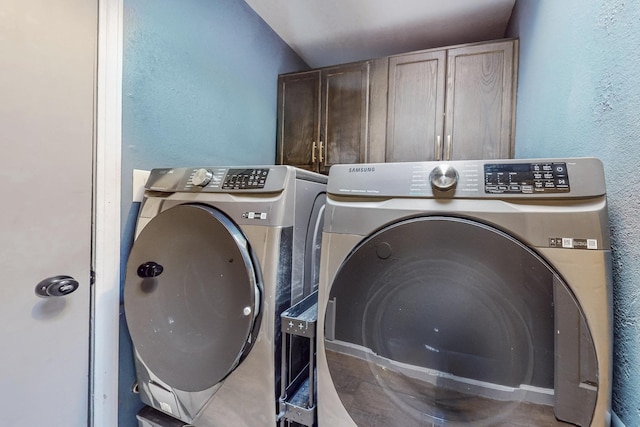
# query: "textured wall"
x,y
199,85
579,95
199,88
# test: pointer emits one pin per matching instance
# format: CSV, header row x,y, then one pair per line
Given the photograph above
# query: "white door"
x,y
47,107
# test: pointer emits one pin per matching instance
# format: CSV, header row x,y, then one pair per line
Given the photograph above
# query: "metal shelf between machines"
x,y
298,389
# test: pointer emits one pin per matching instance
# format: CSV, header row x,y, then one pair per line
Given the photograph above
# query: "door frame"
x,y
105,292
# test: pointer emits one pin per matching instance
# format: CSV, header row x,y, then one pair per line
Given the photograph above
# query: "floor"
x,y
404,401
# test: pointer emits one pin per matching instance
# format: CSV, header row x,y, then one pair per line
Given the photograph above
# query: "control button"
x,y
202,177
549,184
443,177
514,188
560,168
537,175
527,189
562,184
547,167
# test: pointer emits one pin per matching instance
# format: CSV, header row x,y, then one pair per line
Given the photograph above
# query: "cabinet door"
x,y
415,114
480,101
344,115
298,119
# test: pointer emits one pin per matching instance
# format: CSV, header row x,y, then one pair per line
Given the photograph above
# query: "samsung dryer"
x,y
219,253
467,293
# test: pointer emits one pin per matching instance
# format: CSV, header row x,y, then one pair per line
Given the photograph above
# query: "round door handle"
x,y
56,286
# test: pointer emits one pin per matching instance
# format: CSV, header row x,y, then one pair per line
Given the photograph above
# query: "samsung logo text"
x,y
362,169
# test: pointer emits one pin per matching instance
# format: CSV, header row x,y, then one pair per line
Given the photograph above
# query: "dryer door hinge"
x,y
92,278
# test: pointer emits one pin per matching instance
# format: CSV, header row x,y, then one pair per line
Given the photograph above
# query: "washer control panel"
x,y
244,179
260,179
526,178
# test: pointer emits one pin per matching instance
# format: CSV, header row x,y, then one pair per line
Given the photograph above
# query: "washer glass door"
x,y
192,294
446,321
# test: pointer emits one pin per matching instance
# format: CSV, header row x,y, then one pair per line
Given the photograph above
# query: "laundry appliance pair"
x,y
219,254
466,293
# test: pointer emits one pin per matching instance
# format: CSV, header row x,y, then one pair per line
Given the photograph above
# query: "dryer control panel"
x,y
546,178
526,178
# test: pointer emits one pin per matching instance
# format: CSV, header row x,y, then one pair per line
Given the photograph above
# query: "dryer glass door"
x,y
446,321
192,295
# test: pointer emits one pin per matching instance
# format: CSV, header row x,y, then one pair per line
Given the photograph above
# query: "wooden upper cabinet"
x,y
479,116
415,106
323,116
344,115
298,119
452,103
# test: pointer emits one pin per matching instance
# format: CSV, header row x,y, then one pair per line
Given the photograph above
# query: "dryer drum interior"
x,y
447,321
192,320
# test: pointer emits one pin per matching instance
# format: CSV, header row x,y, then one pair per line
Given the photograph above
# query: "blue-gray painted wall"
x,y
199,88
199,85
579,95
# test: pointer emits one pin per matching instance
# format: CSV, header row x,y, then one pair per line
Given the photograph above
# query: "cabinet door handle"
x,y
448,157
321,152
438,147
313,152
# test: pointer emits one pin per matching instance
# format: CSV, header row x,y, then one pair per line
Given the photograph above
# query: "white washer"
x,y
467,293
219,253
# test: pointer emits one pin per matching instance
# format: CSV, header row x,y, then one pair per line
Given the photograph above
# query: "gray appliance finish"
x,y
219,254
466,293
